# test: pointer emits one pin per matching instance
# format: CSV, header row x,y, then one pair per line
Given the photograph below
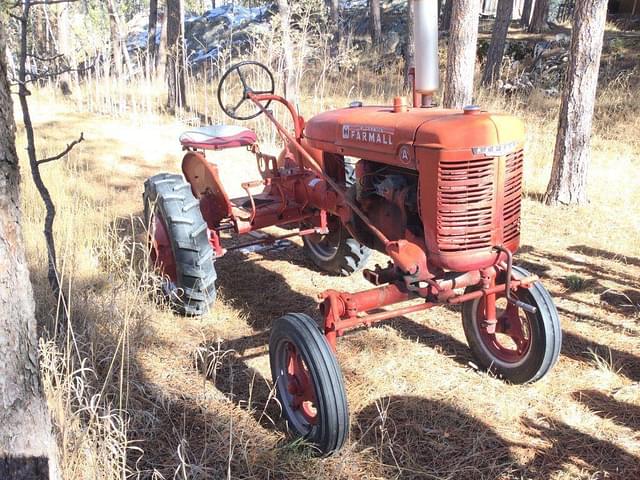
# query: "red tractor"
x,y
438,191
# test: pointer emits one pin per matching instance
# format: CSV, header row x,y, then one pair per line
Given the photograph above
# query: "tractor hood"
x,y
379,133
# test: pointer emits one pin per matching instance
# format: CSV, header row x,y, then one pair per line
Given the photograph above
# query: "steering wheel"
x,y
247,72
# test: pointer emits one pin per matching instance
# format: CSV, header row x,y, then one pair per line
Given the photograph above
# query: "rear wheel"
x,y
337,252
179,244
525,346
308,382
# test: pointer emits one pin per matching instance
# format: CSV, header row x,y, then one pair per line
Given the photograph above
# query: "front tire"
x,y
179,244
308,382
525,346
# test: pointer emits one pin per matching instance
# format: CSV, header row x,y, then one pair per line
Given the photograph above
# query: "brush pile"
x,y
542,66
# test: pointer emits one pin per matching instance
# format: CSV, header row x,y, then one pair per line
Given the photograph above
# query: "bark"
x,y
151,36
445,18
114,37
525,18
27,446
334,15
176,99
161,59
539,17
116,22
461,55
498,40
64,45
568,183
290,90
410,48
375,22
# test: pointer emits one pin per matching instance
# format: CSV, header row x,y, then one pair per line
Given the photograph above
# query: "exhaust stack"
x,y
425,34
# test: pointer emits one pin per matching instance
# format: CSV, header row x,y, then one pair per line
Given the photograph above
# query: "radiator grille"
x,y
512,195
465,204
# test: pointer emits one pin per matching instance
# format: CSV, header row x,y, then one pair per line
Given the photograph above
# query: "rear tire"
x,y
190,285
543,337
308,382
337,252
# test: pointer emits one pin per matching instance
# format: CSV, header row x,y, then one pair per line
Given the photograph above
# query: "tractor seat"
x,y
218,137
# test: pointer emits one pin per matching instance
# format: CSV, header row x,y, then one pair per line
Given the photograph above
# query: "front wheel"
x,y
308,382
525,346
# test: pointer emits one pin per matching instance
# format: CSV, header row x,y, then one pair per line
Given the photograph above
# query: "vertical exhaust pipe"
x,y
425,34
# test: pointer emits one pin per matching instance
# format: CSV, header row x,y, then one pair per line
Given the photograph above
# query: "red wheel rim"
x,y
161,252
302,396
511,341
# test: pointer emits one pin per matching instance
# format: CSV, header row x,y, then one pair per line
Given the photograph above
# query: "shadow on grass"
x,y
605,406
569,446
580,348
417,437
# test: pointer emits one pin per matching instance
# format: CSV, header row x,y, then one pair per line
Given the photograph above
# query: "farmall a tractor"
x,y
438,191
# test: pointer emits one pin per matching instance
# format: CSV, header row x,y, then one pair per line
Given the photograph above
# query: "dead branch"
x,y
52,270
63,153
45,59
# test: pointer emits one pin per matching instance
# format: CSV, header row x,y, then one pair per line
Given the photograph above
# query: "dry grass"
x,y
139,391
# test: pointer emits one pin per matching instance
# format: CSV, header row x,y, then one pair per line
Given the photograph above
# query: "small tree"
x,y
568,183
539,18
375,21
177,95
290,91
151,36
498,40
445,15
334,14
410,48
525,19
461,54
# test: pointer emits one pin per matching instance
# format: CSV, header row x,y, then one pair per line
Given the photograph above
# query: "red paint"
x,y
300,386
161,251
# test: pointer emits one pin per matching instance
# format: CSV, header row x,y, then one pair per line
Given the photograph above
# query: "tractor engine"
x,y
389,197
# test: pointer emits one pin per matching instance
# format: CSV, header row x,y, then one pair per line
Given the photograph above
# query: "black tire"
x,y
338,253
328,429
169,196
545,336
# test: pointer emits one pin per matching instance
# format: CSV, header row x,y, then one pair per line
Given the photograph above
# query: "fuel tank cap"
x,y
471,109
356,104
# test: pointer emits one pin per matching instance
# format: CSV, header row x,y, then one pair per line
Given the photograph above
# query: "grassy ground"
x,y
139,390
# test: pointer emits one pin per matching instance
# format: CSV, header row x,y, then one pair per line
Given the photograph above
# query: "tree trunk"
x,y
175,56
151,36
161,59
461,54
116,48
375,21
539,18
290,90
445,18
498,39
568,183
334,14
27,446
525,18
410,48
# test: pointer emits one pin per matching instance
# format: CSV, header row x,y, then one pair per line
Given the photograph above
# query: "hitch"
x,y
507,289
